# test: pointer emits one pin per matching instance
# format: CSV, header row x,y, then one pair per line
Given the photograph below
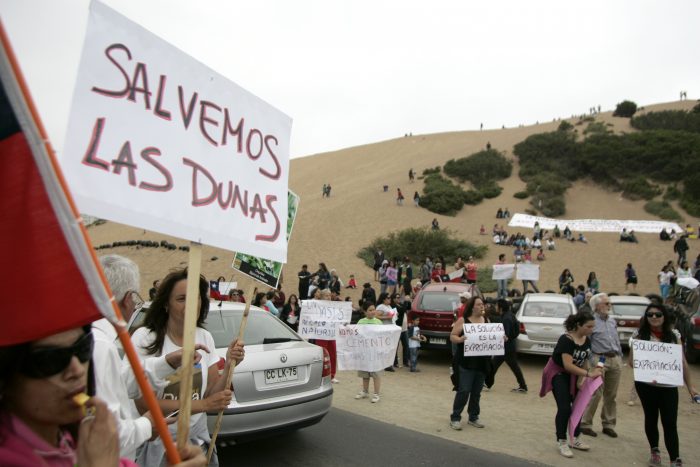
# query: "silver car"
x,y
541,317
284,382
627,311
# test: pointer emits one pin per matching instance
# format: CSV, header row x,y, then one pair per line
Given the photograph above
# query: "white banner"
x,y
160,141
593,225
527,272
502,271
657,362
456,274
367,347
320,319
484,339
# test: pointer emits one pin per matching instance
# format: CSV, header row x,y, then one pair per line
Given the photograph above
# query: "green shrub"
x,y
473,197
679,120
672,193
692,207
434,170
596,128
521,195
625,109
639,188
546,183
480,167
442,196
490,190
663,210
565,126
417,243
484,281
548,204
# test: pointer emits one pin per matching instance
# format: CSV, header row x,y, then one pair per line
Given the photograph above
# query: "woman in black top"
x,y
471,370
290,312
571,354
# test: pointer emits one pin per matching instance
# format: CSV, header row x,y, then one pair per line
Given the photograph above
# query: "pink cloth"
x,y
551,369
583,397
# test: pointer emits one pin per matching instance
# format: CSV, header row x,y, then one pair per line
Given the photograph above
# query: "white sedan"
x,y
542,317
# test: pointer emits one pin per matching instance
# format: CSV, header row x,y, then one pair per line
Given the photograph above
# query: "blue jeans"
x,y
502,288
470,384
413,357
664,289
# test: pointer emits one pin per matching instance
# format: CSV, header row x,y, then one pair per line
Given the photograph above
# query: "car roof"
x,y
547,297
633,299
446,286
216,305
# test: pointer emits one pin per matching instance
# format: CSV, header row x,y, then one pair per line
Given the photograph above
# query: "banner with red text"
x,y
158,140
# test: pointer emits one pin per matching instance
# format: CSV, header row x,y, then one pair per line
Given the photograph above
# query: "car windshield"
x,y
439,301
547,310
261,328
629,309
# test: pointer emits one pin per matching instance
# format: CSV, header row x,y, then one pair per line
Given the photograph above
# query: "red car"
x,y
436,305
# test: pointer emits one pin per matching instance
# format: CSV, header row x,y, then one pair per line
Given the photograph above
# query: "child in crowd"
x,y
370,318
414,340
352,284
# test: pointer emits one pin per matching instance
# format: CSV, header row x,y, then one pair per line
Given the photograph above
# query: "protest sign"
x,y
502,271
484,339
527,272
319,319
583,397
158,140
593,225
657,362
456,276
267,271
367,347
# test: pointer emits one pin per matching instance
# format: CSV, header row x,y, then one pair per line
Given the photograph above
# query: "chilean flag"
x,y
49,280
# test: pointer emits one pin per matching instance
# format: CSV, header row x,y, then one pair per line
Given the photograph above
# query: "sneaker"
x,y
677,463
375,398
486,388
580,445
362,395
655,458
456,425
523,390
476,423
564,449
335,381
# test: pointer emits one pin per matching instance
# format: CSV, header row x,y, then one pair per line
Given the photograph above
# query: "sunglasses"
x,y
657,314
48,361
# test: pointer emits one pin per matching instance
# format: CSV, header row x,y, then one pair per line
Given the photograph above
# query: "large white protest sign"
x,y
160,141
592,225
502,271
484,339
527,272
657,362
367,347
319,319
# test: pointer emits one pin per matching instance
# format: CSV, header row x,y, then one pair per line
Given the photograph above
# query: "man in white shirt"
x,y
115,381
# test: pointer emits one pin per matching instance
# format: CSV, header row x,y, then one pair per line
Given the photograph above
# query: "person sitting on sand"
x,y
435,225
550,244
482,230
540,255
581,238
557,232
663,235
567,233
499,213
497,239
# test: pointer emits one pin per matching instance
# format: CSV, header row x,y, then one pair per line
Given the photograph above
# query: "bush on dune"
x,y
417,243
441,196
625,109
639,188
663,210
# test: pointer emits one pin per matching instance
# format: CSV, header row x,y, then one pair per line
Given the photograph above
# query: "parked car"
x,y
284,382
689,325
627,311
542,317
436,305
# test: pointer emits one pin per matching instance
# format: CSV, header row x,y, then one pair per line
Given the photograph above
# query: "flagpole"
x,y
146,390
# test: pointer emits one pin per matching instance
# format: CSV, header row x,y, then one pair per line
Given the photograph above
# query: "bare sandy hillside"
x,y
333,229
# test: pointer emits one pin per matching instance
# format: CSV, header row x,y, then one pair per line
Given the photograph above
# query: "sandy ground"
x,y
333,230
520,425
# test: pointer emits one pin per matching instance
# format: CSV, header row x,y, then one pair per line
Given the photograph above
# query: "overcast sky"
x,y
356,72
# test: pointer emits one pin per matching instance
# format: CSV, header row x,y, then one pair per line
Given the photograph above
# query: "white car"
x,y
542,317
627,310
284,382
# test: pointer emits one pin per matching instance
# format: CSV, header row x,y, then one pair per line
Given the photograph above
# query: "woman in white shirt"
x,y
162,333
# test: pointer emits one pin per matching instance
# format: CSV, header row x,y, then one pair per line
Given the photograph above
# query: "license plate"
x,y
545,346
280,375
438,340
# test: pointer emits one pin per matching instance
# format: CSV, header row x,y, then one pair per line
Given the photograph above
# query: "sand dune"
x,y
334,229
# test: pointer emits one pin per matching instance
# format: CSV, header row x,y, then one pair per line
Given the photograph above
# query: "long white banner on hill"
x,y
160,141
593,225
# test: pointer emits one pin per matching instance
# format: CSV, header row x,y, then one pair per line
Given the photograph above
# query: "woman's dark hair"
x,y
258,300
270,295
591,276
366,304
577,320
382,297
322,267
156,319
296,299
469,309
503,305
666,328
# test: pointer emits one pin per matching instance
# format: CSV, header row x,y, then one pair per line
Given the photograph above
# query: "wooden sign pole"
x,y
191,312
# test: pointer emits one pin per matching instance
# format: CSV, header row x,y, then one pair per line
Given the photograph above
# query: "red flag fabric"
x,y
44,291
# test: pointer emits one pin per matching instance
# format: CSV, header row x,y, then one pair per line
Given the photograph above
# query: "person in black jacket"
x,y
369,295
512,329
304,278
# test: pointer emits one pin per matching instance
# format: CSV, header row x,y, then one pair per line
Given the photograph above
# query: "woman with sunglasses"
x,y
162,333
40,421
659,399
